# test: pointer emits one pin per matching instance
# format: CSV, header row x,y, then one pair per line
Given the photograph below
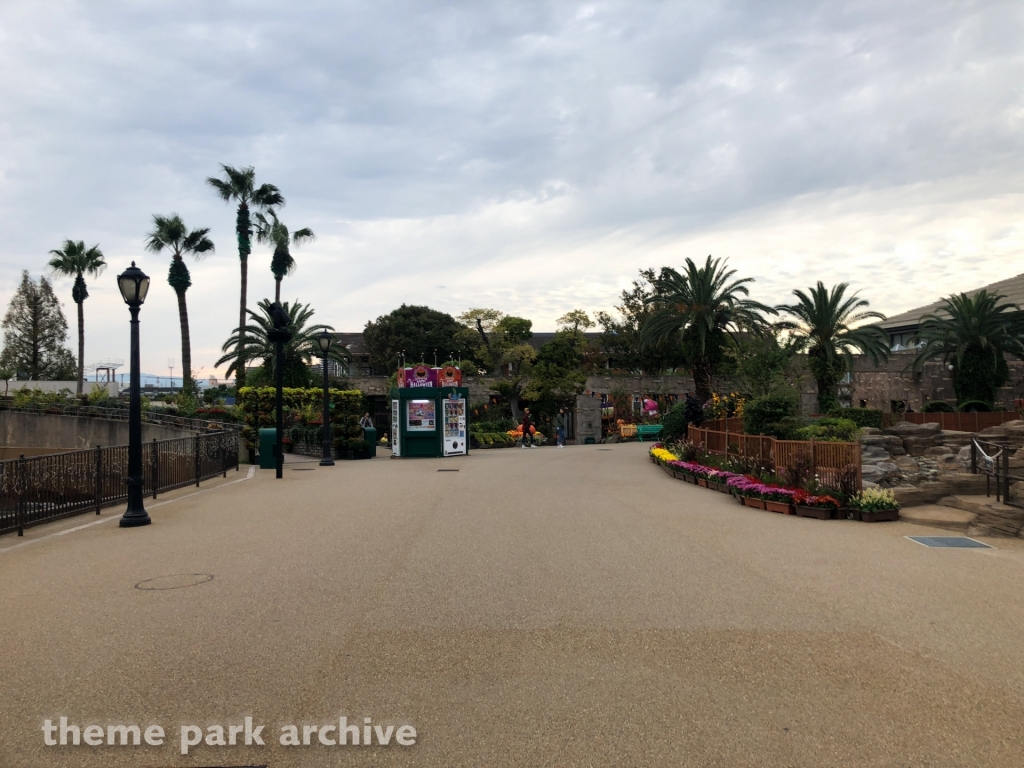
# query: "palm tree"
x,y
273,231
75,260
240,184
824,326
701,310
972,334
298,352
171,233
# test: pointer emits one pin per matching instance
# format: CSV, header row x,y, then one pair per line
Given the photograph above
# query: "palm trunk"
x,y
277,290
240,371
186,347
81,348
702,382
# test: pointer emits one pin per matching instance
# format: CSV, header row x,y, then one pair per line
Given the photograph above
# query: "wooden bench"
x,y
653,430
627,430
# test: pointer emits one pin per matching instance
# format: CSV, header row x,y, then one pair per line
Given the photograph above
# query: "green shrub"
x,y
937,406
257,408
774,414
975,405
829,429
863,417
673,426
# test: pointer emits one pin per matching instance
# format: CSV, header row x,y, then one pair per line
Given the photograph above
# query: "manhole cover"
x,y
604,449
447,470
955,542
177,581
303,469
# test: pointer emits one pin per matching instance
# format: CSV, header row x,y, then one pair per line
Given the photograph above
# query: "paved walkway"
x,y
535,608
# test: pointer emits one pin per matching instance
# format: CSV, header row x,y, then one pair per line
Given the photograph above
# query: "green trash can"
x,y
268,442
370,436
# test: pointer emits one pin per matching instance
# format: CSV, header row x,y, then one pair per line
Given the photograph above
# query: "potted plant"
x,y
778,499
817,507
876,505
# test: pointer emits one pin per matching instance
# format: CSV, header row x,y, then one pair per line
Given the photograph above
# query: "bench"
x,y
653,430
627,430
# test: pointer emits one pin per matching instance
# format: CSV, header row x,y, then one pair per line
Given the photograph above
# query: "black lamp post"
x,y
134,285
325,340
280,336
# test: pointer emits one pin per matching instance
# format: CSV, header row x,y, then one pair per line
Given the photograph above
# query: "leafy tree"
x,y
239,184
171,233
34,334
415,330
774,414
75,260
763,358
498,342
556,376
826,327
272,231
702,308
572,326
973,334
298,352
621,336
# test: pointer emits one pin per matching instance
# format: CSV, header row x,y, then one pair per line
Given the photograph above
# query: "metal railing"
x,y
119,414
43,488
993,461
828,459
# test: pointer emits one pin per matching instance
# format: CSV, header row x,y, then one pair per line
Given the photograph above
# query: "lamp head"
x,y
325,340
134,285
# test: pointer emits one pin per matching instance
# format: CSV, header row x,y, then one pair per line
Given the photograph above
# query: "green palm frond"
x,y
75,260
983,322
827,322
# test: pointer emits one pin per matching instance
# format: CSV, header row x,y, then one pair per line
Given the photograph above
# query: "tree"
x,y
414,330
240,185
621,336
498,343
556,377
272,231
298,352
973,334
763,359
75,260
34,334
171,233
825,327
703,309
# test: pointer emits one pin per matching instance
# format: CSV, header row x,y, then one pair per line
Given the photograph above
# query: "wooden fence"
x,y
828,458
963,422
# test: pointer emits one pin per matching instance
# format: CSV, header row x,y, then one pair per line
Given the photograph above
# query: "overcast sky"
x,y
527,156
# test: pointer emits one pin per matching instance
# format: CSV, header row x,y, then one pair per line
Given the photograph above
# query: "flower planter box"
x,y
818,513
752,503
702,482
887,515
779,506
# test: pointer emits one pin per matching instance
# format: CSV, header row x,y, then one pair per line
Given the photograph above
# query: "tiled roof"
x,y
1012,288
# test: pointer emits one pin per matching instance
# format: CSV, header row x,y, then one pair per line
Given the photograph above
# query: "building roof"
x,y
1012,288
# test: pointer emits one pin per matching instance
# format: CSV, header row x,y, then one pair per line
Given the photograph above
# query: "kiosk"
x,y
429,413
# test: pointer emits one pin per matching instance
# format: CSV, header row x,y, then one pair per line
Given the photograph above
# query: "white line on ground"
x,y
249,476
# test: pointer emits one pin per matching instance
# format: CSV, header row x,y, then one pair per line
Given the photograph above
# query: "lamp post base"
x,y
328,459
133,520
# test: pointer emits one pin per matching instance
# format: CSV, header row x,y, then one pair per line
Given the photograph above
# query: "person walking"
x,y
561,426
527,429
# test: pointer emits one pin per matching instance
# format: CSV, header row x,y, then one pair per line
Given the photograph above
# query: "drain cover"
x,y
604,449
303,469
447,470
177,581
956,542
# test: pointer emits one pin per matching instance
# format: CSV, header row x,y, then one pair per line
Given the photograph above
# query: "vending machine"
x,y
429,413
456,433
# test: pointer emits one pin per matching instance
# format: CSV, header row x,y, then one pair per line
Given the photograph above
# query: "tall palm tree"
x,y
239,184
298,352
75,260
272,231
973,334
171,233
701,309
826,325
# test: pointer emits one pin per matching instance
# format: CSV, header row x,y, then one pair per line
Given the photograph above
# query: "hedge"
x,y
258,409
863,417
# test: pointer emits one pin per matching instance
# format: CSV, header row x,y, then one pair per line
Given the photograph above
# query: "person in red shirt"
x,y
527,424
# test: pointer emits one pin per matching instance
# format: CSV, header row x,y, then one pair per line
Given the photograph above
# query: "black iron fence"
x,y
44,488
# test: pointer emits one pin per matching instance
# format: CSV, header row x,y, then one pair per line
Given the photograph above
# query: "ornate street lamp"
x,y
134,285
325,340
281,335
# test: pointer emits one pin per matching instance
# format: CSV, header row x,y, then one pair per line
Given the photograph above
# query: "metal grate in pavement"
x,y
447,470
949,542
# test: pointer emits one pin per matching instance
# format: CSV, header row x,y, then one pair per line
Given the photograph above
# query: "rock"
x,y
907,464
907,429
938,450
870,431
931,491
916,446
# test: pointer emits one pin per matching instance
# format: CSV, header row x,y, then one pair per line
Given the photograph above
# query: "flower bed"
x,y
752,492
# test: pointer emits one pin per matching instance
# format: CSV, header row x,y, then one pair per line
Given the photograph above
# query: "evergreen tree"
x,y
35,330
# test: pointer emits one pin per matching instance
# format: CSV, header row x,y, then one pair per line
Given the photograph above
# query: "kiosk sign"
x,y
419,376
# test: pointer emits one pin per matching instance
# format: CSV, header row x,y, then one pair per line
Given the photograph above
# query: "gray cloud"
x,y
530,154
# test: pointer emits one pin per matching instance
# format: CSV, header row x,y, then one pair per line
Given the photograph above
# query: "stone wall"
x,y
19,429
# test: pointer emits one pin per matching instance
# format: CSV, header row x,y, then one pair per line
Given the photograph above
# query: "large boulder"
x,y
947,485
908,429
